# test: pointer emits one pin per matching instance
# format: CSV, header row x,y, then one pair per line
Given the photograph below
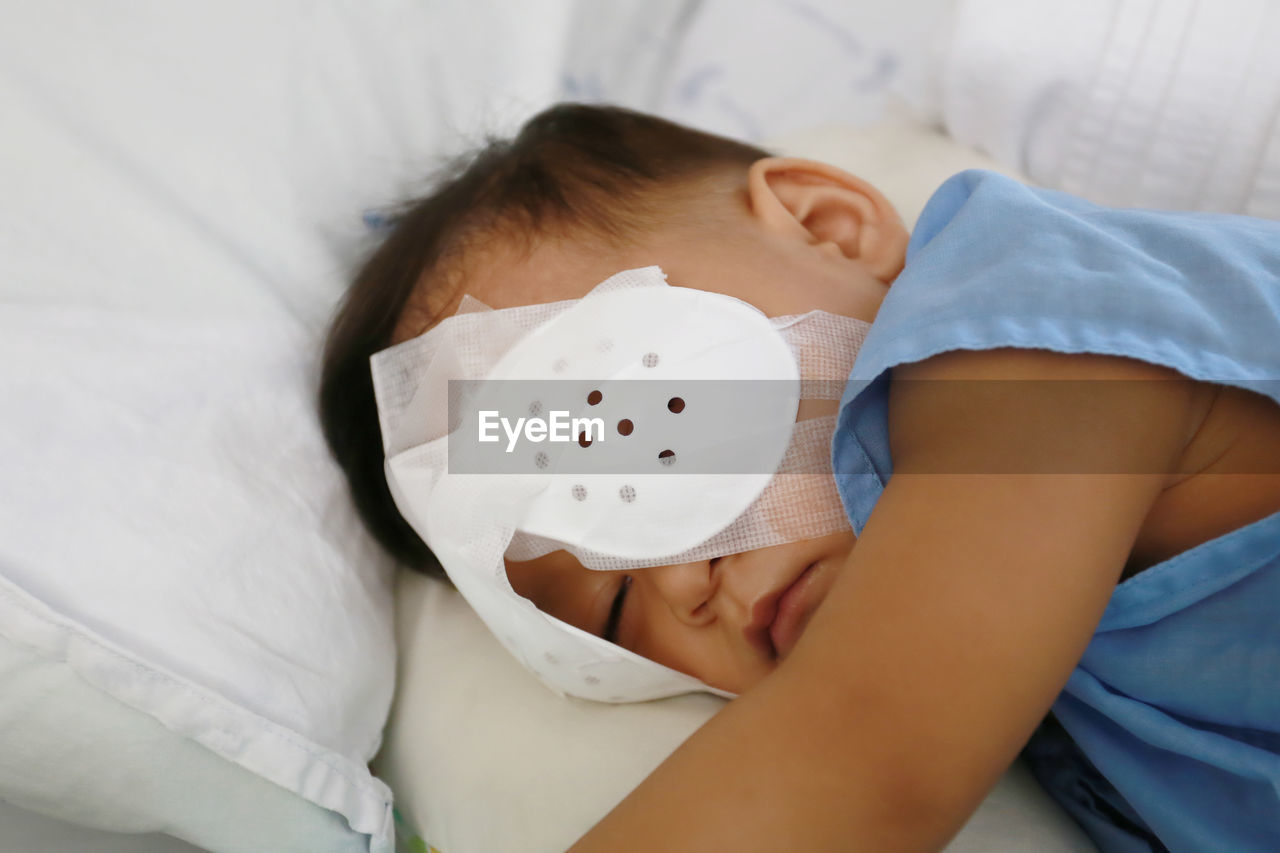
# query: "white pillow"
x,y
179,562
483,757
104,764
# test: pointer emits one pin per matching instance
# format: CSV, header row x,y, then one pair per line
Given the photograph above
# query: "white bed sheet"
x,y
22,831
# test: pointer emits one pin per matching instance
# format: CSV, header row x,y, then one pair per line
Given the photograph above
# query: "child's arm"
x,y
962,610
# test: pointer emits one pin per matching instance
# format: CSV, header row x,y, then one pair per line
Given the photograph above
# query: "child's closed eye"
x,y
610,631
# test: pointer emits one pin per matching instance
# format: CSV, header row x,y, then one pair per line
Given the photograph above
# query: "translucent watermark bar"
x,y
674,427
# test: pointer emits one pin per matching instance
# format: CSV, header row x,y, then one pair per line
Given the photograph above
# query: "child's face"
x,y
727,621
794,238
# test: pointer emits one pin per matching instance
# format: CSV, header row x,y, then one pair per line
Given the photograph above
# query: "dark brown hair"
x,y
599,168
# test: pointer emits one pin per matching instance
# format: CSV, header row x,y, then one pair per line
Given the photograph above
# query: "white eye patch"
x,y
688,400
643,423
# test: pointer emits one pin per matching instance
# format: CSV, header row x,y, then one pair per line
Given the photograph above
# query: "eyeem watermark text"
x,y
558,426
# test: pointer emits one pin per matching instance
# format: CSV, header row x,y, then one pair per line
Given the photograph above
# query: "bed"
x,y
200,648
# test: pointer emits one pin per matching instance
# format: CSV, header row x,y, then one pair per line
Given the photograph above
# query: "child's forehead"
x,y
551,270
510,274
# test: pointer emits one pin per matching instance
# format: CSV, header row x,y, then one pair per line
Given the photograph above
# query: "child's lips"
x,y
792,613
773,616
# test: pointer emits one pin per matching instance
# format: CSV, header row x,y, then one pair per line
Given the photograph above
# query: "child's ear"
x,y
829,209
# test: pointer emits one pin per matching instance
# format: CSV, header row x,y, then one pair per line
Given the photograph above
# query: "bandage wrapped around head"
x,y
642,425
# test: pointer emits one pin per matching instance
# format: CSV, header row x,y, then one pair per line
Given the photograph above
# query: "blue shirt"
x,y
1173,713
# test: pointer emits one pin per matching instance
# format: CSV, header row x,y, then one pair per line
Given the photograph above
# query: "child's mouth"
x,y
776,619
792,613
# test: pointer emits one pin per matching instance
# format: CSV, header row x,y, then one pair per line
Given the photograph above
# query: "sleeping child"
x,y
1007,484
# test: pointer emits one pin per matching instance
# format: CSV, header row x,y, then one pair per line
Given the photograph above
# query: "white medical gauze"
x,y
681,444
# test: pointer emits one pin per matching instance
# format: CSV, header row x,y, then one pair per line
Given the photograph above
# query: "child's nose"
x,y
687,588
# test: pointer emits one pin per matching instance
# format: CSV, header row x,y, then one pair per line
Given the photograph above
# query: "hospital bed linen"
x,y
1141,103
